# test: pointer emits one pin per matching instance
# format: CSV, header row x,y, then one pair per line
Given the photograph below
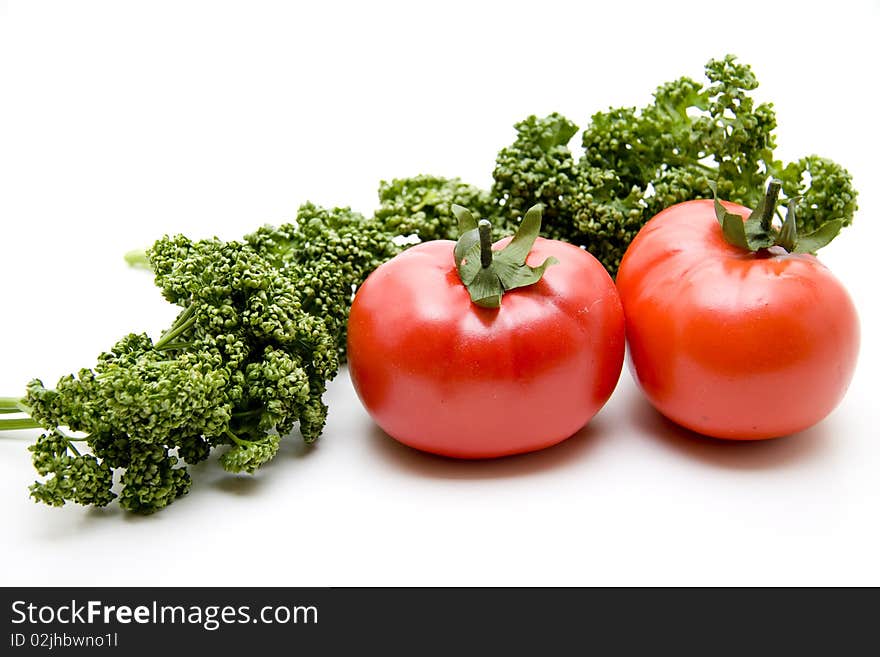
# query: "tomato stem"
x,y
485,228
768,205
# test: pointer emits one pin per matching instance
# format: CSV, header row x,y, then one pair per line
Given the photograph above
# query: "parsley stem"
x,y
13,424
12,405
183,323
238,441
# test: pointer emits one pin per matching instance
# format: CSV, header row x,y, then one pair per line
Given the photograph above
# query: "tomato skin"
x,y
728,343
443,375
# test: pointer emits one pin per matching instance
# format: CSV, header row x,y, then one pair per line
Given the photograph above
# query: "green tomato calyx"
x,y
757,232
488,274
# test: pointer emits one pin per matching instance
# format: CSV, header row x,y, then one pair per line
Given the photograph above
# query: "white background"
x,y
121,121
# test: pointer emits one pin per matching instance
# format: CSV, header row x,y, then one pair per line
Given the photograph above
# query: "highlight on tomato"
x,y
735,329
474,350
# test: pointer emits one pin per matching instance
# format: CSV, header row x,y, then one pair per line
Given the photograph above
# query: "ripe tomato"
x,y
728,342
442,374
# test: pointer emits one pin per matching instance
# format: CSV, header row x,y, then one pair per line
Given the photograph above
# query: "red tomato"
x,y
441,374
730,343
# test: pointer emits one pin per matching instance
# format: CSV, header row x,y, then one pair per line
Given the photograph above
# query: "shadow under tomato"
x,y
444,467
784,451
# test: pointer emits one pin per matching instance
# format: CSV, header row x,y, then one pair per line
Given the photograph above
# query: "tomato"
x,y
442,374
733,343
